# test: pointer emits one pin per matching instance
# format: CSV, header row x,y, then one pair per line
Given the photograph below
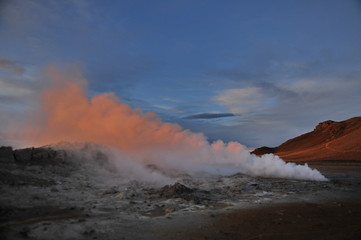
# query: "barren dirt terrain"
x,y
46,195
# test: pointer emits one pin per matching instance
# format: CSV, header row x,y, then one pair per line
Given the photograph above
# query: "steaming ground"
x,y
132,139
136,173
82,193
162,166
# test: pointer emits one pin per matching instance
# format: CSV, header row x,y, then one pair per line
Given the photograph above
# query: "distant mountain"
x,y
330,140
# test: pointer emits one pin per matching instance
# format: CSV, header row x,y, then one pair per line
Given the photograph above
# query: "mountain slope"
x,y
328,141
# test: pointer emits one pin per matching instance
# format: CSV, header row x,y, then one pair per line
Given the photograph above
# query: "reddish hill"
x,y
328,141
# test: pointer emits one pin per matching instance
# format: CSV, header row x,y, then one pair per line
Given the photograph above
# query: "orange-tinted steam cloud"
x,y
69,115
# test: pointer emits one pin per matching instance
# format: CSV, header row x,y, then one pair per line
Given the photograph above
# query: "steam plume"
x,y
67,114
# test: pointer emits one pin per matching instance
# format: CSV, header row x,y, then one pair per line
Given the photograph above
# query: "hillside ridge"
x,y
330,140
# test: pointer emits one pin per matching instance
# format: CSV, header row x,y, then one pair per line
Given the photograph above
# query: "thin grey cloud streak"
x,y
210,116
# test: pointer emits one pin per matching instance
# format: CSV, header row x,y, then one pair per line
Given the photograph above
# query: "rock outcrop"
x,y
31,156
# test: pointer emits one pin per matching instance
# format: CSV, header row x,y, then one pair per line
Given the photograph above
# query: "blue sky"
x,y
257,72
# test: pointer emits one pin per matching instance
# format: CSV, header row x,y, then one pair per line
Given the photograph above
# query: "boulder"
x,y
175,190
43,154
23,155
178,190
6,154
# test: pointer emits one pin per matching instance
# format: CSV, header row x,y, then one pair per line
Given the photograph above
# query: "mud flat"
x,y
44,195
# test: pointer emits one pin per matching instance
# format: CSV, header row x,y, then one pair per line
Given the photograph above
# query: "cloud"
x,y
209,115
286,96
282,110
12,87
241,100
167,108
11,66
19,88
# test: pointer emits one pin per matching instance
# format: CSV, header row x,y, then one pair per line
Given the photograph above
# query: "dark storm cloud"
x,y
209,115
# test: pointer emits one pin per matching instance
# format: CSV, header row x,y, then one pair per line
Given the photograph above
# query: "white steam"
x,y
160,166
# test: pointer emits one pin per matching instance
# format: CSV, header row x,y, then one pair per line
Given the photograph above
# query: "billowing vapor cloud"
x,y
67,114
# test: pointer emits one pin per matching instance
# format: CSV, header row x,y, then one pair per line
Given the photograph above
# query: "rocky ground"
x,y
44,194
